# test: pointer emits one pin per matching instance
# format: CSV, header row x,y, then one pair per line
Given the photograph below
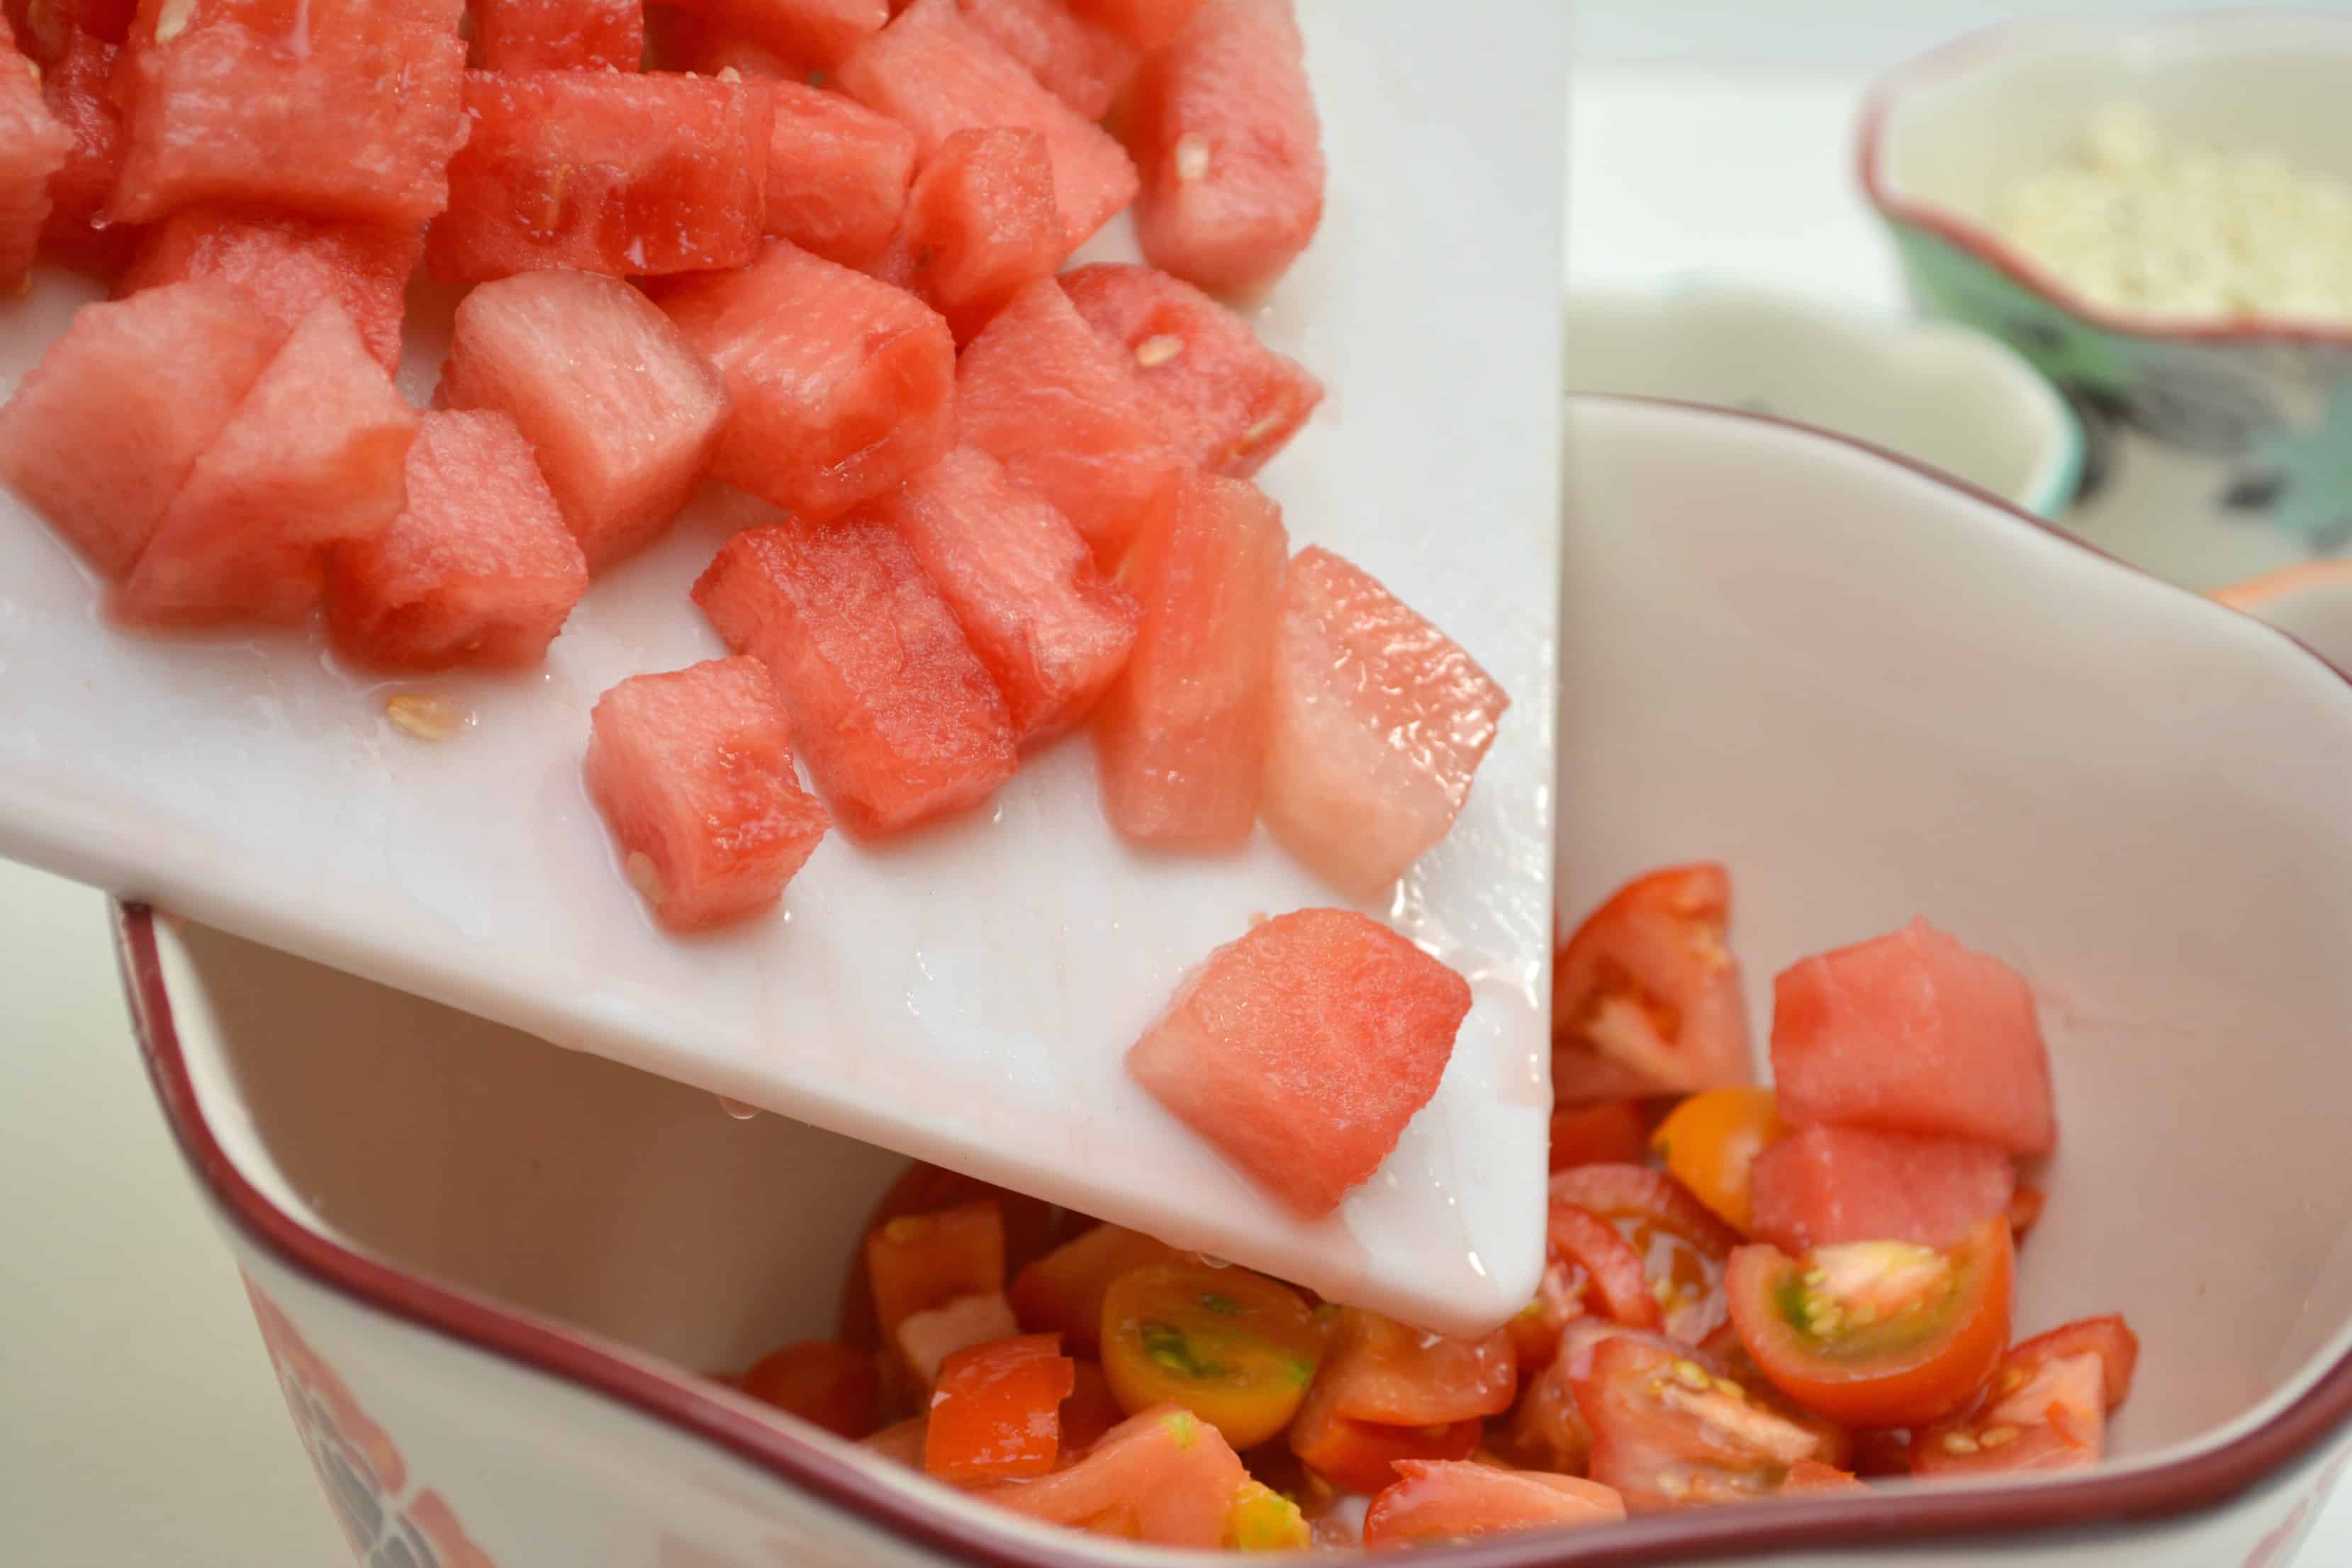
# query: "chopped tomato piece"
x,y
1090,1411
1546,1430
902,1442
2050,1414
1607,1262
1033,1227
1668,1433
1883,1453
1165,1478
1237,1349
1377,1369
1811,1476
926,1338
1729,1357
1877,1334
1063,1291
1610,1131
1462,1500
1362,1456
824,1381
1682,1244
1645,996
1710,1141
919,1261
2024,1208
2108,1338
997,1413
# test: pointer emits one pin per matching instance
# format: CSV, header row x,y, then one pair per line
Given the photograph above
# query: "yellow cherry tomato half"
x,y
1237,1349
1711,1140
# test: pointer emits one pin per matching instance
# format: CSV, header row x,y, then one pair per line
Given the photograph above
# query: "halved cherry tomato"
x,y
1682,1244
1669,1432
996,1414
1462,1500
1645,996
1388,1392
1063,1291
2025,1207
1547,1431
919,1261
822,1381
1090,1411
1031,1228
1617,1281
2047,1406
1877,1334
1237,1349
1710,1141
1731,1358
1613,1132
1164,1477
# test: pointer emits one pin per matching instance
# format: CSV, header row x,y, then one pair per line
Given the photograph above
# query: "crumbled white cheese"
x,y
2140,224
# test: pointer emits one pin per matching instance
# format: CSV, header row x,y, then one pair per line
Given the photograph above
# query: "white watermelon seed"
x,y
1157,349
173,19
1192,155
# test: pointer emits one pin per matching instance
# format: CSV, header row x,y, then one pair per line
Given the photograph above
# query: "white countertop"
x,y
144,1429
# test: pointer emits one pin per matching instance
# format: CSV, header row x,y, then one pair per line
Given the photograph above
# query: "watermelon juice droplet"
x,y
736,1109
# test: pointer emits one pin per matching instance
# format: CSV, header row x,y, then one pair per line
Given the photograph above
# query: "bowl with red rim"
x,y
2216,429
499,1282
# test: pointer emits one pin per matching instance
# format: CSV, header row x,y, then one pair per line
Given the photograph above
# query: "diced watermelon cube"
x,y
1240,401
1040,391
621,414
897,718
838,173
312,456
1819,1186
1302,1050
1149,25
981,225
1050,629
477,569
841,386
693,771
1912,1032
78,87
288,264
1225,132
936,71
33,147
1183,737
559,34
1076,59
102,433
821,32
337,108
630,175
1379,719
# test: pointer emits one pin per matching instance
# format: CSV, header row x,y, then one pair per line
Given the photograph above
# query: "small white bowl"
x,y
490,1271
1943,394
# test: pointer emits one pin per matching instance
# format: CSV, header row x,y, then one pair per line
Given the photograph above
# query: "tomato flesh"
x,y
1380,1370
1237,1349
1877,1334
996,1414
1668,1432
1062,1291
919,1261
1682,1244
1462,1500
2046,1408
1645,996
1710,1143
824,1381
1612,1269
1609,1132
1031,1227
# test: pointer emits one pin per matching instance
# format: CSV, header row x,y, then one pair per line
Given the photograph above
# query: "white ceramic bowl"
x,y
1943,394
489,1271
2215,444
2312,602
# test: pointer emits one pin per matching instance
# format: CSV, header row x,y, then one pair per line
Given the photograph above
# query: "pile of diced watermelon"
x,y
811,249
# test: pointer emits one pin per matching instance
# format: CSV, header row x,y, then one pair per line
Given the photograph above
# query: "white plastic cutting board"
x,y
964,996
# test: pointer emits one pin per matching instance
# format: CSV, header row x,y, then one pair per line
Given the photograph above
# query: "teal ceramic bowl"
x,y
2218,448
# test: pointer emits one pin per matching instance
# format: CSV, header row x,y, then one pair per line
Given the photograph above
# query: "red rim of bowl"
x,y
683,1401
1975,240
